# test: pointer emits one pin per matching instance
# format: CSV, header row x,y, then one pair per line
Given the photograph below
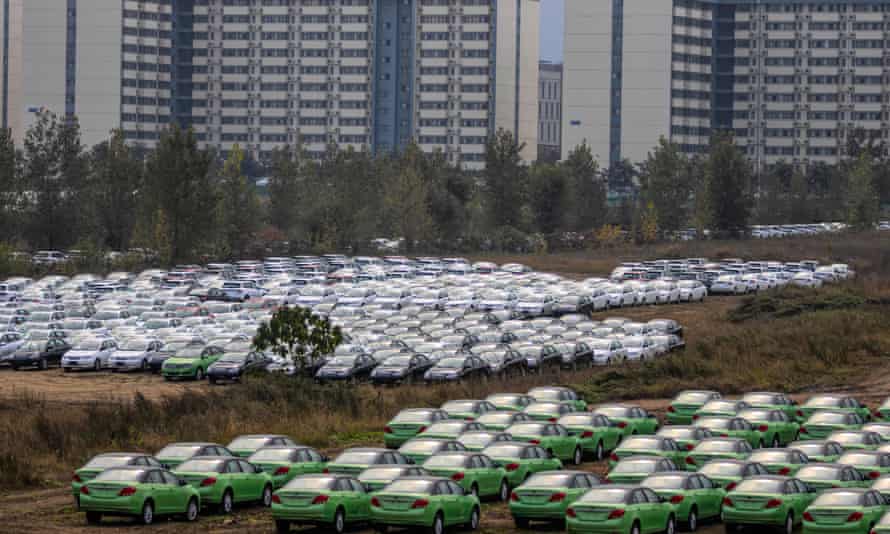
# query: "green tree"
x,y
405,205
726,188
10,174
506,180
585,190
666,185
299,335
799,196
862,203
286,183
772,194
240,211
115,180
550,197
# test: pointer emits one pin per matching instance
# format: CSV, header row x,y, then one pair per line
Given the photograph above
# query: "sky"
x,y
551,29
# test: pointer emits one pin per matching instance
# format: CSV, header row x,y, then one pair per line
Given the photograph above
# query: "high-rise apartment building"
x,y
372,74
549,111
792,78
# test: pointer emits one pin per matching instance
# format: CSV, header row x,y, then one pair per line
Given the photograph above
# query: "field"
x,y
794,340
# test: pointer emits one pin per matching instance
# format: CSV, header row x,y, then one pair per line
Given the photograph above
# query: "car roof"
x,y
120,454
777,478
368,449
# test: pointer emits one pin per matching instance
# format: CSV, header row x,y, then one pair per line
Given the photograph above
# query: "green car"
x,y
720,407
521,460
408,424
174,454
728,473
859,440
512,402
501,419
828,476
769,400
597,433
244,446
138,491
191,362
687,437
474,471
785,462
686,403
548,411
775,427
479,439
835,403
631,509
836,511
223,481
693,495
468,410
632,420
882,428
731,427
450,429
558,394
546,496
105,461
433,503
822,451
419,449
767,501
551,437
872,464
820,425
634,469
377,478
717,449
648,446
882,485
883,411
284,463
354,461
328,501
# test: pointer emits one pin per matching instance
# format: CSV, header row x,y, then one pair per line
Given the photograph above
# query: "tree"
x,y
405,209
239,208
10,174
586,190
113,190
666,185
299,335
550,197
726,187
649,224
862,204
506,180
772,194
799,196
289,168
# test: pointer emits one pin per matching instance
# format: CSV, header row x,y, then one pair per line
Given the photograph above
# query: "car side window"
x,y
169,478
342,485
151,461
581,481
233,467
356,486
693,483
455,489
650,496
154,477
790,487
247,467
441,489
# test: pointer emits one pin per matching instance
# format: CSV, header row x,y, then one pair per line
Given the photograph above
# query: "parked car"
x,y
351,367
138,491
39,354
233,366
457,369
91,353
134,354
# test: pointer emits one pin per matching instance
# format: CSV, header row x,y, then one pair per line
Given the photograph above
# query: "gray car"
x,y
134,354
9,343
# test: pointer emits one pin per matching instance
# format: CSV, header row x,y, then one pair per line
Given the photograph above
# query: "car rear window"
x,y
410,486
760,485
310,483
201,465
120,475
104,462
603,495
839,498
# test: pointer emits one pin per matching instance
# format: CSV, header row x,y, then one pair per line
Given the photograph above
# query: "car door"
x,y
712,497
178,497
483,474
253,481
236,479
644,511
361,501
564,447
160,491
460,505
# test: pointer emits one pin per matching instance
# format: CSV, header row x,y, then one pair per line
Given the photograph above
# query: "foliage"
x,y
240,215
114,184
649,224
666,186
506,180
726,188
862,204
299,335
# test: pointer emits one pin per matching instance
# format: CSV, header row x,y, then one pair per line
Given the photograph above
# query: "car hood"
x,y
127,354
181,360
81,354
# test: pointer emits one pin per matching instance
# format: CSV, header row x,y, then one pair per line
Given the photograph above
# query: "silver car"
x,y
134,354
91,353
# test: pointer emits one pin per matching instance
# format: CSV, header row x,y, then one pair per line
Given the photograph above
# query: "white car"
x,y
806,279
621,295
647,294
607,351
729,284
639,348
667,292
242,289
692,291
90,353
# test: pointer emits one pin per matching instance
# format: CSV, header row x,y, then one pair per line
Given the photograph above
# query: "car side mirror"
x,y
497,465
325,459
183,483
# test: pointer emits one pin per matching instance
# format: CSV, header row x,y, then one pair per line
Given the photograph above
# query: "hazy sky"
x,y
551,29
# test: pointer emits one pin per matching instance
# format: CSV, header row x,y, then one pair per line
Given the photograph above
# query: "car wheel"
x,y
228,503
144,366
281,526
474,519
635,529
692,521
789,523
671,527
340,521
148,513
199,374
191,511
267,496
504,492
577,456
438,524
97,365
44,365
600,452
776,443
761,445
94,518
474,490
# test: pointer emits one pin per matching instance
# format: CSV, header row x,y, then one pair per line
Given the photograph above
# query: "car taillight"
x,y
552,419
457,477
695,417
808,517
514,497
873,475
803,430
677,499
326,471
622,424
276,499
283,470
728,502
511,467
587,434
420,503
614,457
76,478
671,409
320,499
571,512
85,490
375,502
558,497
773,503
689,446
387,430
876,415
784,471
855,516
535,441
126,492
616,514
731,486
208,481
800,413
763,428
690,460
421,430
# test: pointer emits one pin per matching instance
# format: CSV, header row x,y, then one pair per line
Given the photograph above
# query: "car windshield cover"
x,y
613,411
543,395
716,469
359,458
823,402
381,473
104,462
120,475
659,482
534,429
248,442
849,437
839,498
272,455
134,345
760,485
445,460
420,446
234,358
504,451
771,456
635,465
605,496
496,417
190,353
410,486
459,406
451,363
398,361
178,451
692,397
854,458
310,483
828,418
201,466
820,472
641,443
413,417
760,398
89,344
476,439
677,433
717,445
713,422
581,419
342,361
549,480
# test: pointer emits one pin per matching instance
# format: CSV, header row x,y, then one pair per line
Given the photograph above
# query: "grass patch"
x,y
792,301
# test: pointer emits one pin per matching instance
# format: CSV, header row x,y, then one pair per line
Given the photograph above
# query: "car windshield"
x,y
120,475
135,345
692,397
272,455
310,483
766,457
858,458
104,462
635,465
613,411
504,451
381,473
410,486
88,344
713,422
828,418
641,443
823,402
248,442
446,460
459,406
359,458
583,419
520,429
606,496
549,480
760,398
839,498
344,361
202,465
420,446
760,485
677,433
658,482
819,472
413,416
451,363
718,445
178,451
716,469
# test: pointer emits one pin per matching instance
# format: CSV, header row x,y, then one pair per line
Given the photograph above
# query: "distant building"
x,y
549,111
